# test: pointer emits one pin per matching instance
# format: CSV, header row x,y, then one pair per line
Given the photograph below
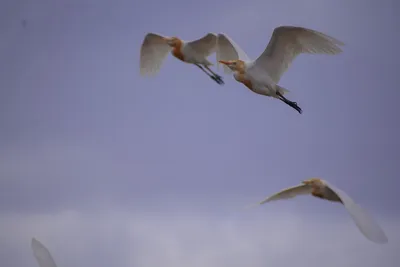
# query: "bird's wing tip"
x,y
383,241
35,243
381,238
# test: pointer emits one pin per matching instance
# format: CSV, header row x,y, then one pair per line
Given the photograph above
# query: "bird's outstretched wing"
x,y
288,193
152,53
362,219
227,49
287,42
42,254
204,46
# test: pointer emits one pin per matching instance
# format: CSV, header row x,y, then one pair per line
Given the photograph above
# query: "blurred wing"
x,y
362,219
288,193
204,46
287,42
152,54
42,254
227,49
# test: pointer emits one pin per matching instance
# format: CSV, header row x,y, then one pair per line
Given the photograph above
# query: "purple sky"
x,y
108,168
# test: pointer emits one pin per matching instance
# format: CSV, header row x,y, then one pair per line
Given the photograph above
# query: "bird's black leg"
x,y
219,78
209,75
288,102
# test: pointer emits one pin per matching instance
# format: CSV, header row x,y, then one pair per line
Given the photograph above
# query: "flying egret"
x,y
322,189
155,48
42,254
263,74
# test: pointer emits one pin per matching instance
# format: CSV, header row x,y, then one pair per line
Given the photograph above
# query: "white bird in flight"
x,y
42,254
263,74
155,48
322,189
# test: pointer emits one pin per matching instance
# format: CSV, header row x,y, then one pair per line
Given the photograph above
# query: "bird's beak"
x,y
224,62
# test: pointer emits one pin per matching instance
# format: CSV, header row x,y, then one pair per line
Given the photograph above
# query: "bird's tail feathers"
x,y
282,90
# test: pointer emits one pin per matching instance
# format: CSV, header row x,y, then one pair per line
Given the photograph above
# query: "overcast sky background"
x,y
107,168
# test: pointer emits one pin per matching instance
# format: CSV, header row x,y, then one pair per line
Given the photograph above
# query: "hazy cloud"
x,y
187,238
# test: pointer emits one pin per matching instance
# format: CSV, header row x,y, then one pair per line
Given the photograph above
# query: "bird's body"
x,y
261,87
322,189
186,53
155,48
263,74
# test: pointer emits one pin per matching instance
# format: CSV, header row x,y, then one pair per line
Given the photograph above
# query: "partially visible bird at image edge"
x,y
156,47
42,254
263,74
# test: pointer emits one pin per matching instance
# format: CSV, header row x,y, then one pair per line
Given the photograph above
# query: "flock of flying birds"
x,y
262,77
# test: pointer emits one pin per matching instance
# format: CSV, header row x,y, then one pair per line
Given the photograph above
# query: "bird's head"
x,y
234,65
173,41
312,181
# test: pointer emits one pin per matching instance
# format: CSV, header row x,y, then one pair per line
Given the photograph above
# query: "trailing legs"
x,y
288,102
214,76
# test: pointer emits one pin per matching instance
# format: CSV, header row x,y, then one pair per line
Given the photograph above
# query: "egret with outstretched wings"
x,y
322,189
155,49
263,74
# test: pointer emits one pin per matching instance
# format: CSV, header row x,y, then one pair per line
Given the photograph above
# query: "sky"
x,y
108,168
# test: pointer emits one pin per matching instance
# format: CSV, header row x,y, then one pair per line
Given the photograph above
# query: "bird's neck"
x,y
177,51
241,68
241,77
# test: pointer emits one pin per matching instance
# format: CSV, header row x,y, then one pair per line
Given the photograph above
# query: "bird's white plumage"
x,y
153,51
368,227
361,218
204,46
288,193
287,42
42,254
228,49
